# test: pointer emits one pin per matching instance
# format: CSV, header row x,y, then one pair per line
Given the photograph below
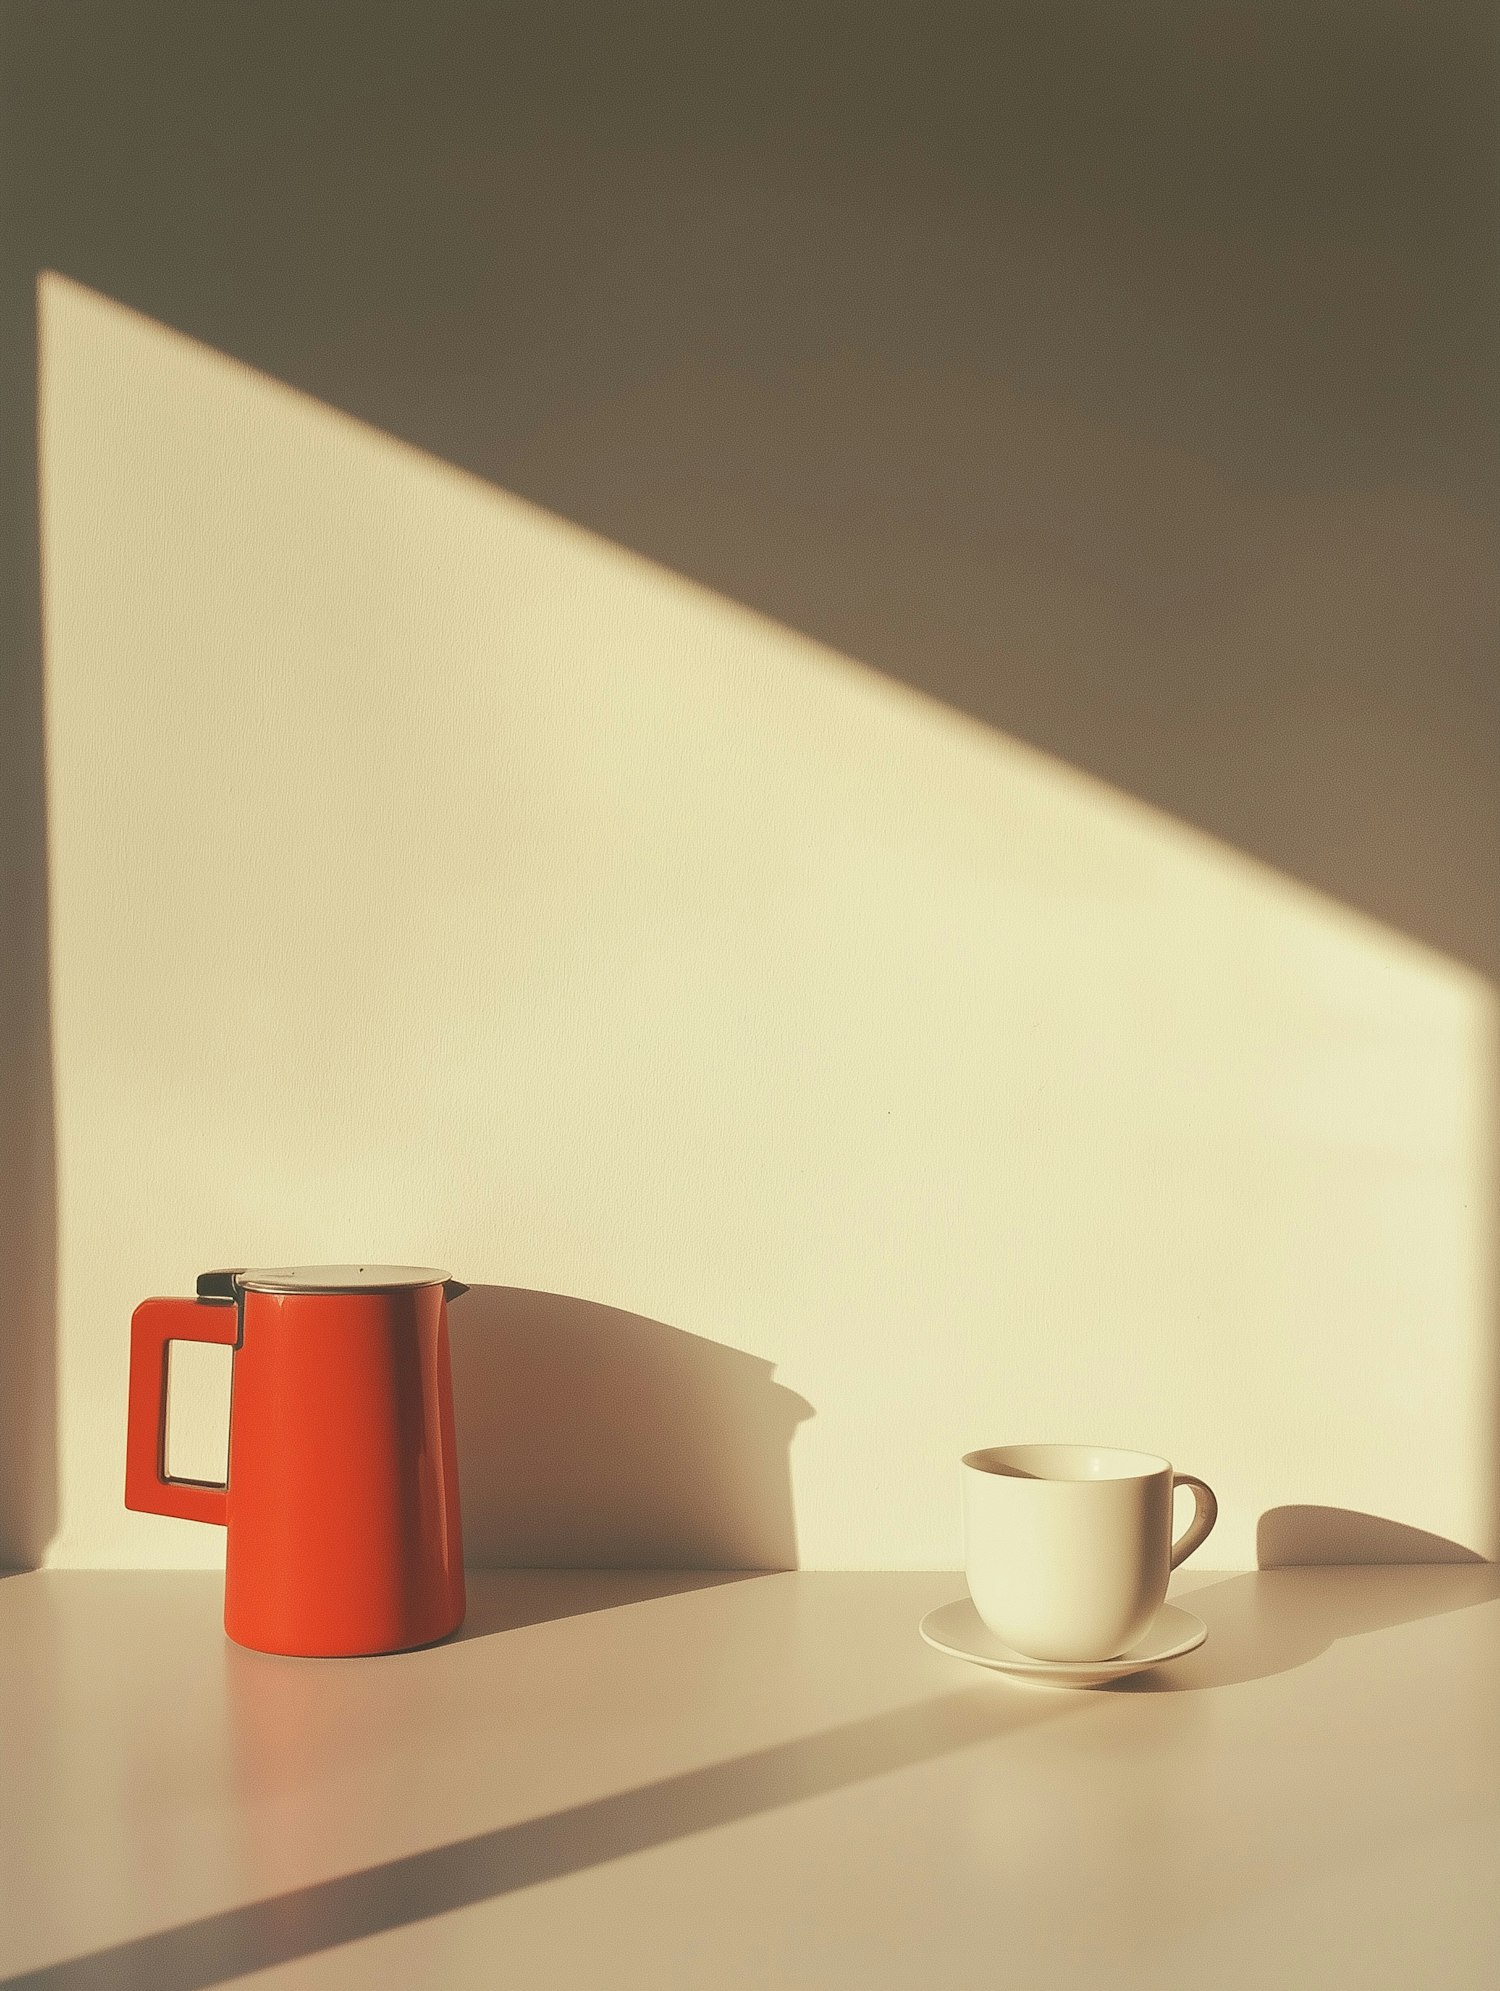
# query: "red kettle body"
x,y
341,1504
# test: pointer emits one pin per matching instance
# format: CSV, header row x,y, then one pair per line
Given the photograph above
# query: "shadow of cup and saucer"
x,y
1325,1573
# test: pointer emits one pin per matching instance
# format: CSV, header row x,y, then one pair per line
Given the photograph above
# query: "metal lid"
x,y
339,1278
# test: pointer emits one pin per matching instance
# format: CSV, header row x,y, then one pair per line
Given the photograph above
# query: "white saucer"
x,y
958,1629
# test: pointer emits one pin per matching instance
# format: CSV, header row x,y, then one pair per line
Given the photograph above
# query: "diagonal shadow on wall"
x,y
1125,382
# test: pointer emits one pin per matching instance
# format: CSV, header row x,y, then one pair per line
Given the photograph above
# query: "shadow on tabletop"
x,y
594,1439
1260,1623
1325,1573
397,1893
507,1600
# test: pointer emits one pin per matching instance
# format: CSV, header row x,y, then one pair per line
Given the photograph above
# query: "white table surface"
x,y
655,1780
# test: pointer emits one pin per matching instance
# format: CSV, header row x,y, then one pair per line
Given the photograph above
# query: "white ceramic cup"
x,y
1068,1547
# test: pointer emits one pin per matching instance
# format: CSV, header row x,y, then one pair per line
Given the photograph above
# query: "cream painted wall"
x,y
432,880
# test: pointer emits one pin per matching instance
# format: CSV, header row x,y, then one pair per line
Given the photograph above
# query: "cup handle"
x,y
1201,1526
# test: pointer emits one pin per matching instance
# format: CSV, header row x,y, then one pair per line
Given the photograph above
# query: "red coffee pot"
x,y
342,1499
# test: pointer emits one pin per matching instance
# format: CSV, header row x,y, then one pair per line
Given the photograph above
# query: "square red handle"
x,y
148,1488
